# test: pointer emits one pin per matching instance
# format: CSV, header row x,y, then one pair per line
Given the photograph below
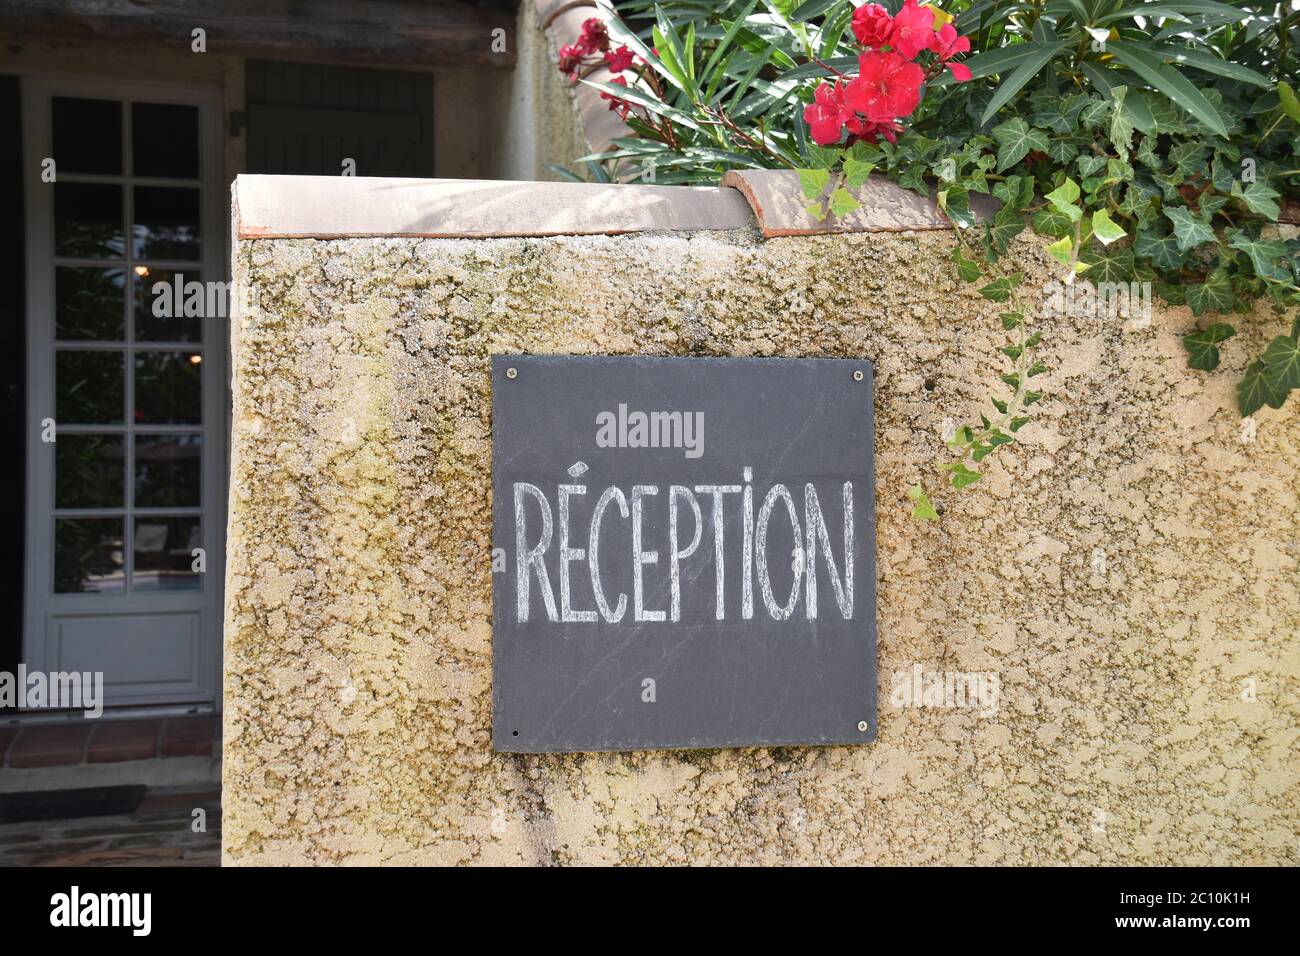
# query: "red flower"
x,y
570,59
826,115
872,25
619,106
621,59
887,87
948,45
913,30
595,35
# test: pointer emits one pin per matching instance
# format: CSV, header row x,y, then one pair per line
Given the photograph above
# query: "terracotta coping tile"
x,y
548,10
50,745
328,207
332,207
599,124
778,203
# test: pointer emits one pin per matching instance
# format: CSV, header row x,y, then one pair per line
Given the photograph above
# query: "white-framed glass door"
x,y
126,357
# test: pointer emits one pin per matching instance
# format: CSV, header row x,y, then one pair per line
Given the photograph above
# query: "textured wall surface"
x,y
358,631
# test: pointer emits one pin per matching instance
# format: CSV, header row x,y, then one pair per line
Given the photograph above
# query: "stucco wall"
x,y
358,631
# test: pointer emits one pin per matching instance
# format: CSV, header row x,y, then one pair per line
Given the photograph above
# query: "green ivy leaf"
x,y
1015,191
960,475
1282,361
1203,345
1162,250
968,268
1257,389
1065,198
913,177
1214,293
1062,150
1189,230
813,181
1016,139
1060,250
843,202
1259,198
856,172
1050,222
955,201
824,157
1108,263
1090,165
923,508
1188,158
1105,229
1094,113
1007,223
1264,254
999,290
1121,125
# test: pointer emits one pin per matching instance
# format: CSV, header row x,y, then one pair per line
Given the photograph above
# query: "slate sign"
x,y
684,553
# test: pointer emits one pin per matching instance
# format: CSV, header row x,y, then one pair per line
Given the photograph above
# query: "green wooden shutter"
x,y
306,119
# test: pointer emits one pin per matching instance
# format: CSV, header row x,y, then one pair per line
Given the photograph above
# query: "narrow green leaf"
x,y
1026,71
1139,59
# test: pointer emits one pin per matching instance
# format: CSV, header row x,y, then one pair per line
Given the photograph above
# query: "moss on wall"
x,y
358,628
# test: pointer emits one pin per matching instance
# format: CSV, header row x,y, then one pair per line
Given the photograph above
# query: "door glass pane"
x,y
167,388
89,387
167,471
165,140
89,471
164,554
175,313
88,304
88,220
166,223
88,555
87,135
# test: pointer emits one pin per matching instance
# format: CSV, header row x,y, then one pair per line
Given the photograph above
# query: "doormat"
x,y
64,804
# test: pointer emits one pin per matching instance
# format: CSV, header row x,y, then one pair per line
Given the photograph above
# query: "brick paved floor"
x,y
159,833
